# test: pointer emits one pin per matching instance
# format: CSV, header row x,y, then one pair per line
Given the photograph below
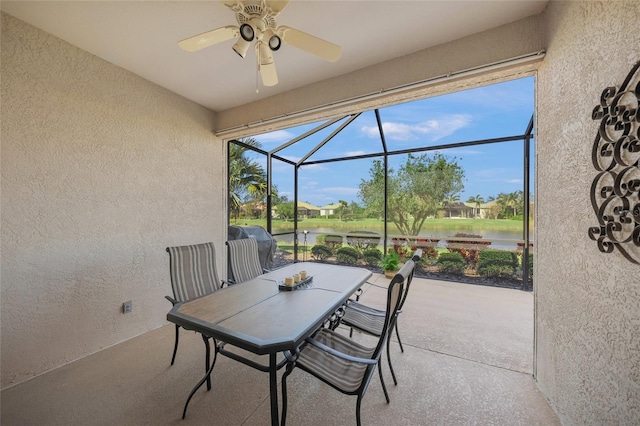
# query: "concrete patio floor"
x,y
468,356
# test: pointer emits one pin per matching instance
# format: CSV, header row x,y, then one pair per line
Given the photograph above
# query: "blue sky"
x,y
486,112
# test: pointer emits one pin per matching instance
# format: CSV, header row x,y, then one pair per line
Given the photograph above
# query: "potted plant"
x,y
390,264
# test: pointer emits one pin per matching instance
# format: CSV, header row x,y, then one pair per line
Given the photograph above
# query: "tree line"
x,y
418,189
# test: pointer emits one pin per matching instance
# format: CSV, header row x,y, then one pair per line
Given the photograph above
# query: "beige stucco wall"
x,y
587,302
101,170
508,41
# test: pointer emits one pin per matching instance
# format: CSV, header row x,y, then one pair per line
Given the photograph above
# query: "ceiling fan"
x,y
256,21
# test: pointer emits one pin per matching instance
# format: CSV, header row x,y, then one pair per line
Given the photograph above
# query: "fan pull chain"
x,y
257,68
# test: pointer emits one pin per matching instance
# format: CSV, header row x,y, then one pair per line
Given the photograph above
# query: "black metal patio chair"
x,y
370,320
341,362
244,260
193,274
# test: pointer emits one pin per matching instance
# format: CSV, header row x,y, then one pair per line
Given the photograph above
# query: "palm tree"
x,y
247,178
478,200
514,201
342,209
518,202
503,201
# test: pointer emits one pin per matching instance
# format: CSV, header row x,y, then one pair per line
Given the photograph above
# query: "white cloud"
x,y
279,136
461,151
354,153
432,130
496,175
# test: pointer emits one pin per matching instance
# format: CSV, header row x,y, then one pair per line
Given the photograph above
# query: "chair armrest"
x,y
367,310
171,299
377,285
339,354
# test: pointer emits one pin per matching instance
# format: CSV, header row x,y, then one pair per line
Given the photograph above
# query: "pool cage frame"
x,y
526,138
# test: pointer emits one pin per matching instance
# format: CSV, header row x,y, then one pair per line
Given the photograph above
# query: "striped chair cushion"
x,y
244,260
365,318
193,271
343,374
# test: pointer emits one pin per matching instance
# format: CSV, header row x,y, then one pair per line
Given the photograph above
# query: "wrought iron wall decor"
x,y
615,191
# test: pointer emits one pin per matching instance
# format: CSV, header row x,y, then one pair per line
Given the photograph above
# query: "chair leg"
x,y
288,371
358,404
393,374
207,359
399,341
384,387
207,377
175,346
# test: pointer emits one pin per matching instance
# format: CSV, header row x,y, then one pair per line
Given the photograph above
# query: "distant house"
x,y
484,211
307,210
459,210
329,209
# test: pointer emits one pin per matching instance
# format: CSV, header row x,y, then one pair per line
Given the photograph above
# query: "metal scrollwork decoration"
x,y
615,191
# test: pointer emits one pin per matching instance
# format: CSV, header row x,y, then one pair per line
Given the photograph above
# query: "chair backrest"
x,y
415,259
395,294
193,271
267,245
243,259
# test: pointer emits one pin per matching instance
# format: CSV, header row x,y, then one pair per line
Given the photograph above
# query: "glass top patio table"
x,y
261,318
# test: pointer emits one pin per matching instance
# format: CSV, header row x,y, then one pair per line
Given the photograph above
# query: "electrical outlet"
x,y
126,307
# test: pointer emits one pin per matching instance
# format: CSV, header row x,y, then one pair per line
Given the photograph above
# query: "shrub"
x,y
372,256
451,263
496,271
333,241
470,256
429,256
497,263
320,252
362,243
347,255
430,253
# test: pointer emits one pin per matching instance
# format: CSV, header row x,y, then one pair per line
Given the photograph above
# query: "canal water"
x,y
500,240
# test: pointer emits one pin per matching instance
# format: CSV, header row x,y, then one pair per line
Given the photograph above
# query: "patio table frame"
x,y
260,318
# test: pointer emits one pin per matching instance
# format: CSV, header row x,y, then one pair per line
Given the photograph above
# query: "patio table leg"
x,y
273,389
207,377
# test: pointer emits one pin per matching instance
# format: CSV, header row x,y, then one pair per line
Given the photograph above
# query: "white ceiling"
x,y
142,36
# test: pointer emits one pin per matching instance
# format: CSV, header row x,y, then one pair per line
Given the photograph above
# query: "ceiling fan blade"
x,y
266,65
314,45
276,6
269,74
229,3
209,38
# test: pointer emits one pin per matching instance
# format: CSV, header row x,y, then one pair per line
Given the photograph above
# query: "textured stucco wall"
x,y
497,44
587,302
101,170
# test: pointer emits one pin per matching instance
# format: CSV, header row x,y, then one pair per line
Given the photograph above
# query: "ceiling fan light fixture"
x,y
247,32
275,42
256,22
241,47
